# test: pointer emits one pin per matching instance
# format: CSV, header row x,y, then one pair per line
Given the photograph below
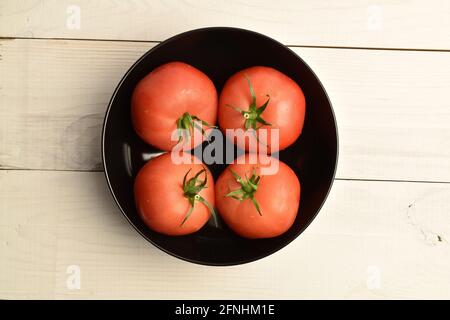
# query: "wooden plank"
x,y
371,240
390,105
53,100
355,23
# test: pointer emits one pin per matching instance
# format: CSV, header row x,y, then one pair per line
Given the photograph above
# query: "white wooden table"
x,y
384,231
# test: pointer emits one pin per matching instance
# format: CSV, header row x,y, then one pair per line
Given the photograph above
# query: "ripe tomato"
x,y
254,204
258,96
171,97
174,199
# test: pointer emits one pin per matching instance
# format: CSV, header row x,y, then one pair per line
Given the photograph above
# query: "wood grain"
x,y
391,106
372,239
51,220
353,23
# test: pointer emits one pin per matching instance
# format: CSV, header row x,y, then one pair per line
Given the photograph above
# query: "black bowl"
x,y
220,52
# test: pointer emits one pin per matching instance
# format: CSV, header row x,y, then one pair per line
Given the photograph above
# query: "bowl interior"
x,y
219,53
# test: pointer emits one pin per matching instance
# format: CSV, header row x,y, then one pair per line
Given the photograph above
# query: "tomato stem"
x,y
248,188
188,122
191,189
253,116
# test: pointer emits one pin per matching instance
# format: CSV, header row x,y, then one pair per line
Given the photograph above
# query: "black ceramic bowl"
x,y
220,52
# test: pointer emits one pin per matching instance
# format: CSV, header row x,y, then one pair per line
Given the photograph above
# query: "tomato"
x,y
277,100
258,204
171,97
174,199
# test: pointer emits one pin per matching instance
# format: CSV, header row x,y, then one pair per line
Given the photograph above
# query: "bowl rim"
x,y
105,169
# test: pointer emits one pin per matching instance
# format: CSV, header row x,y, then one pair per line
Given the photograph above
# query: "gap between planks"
x,y
288,45
336,179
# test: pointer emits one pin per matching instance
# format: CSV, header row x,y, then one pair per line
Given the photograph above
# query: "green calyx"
x,y
248,188
191,190
253,116
188,122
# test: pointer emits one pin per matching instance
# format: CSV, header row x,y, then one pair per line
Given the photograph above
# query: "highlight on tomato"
x,y
175,199
256,201
174,98
262,98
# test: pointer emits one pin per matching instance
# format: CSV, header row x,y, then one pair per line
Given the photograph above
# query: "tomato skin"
x,y
278,196
159,196
164,95
285,111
